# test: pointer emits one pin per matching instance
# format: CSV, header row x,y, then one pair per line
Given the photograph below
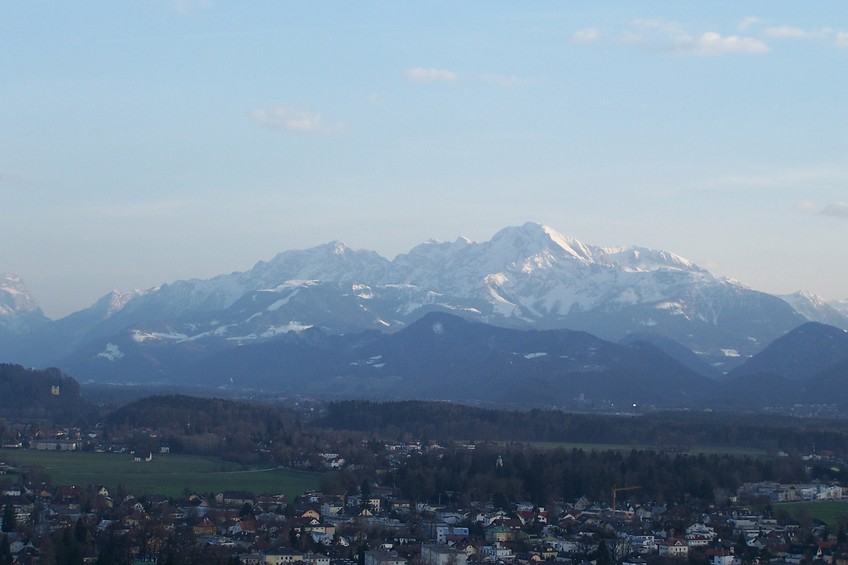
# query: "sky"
x,y
148,141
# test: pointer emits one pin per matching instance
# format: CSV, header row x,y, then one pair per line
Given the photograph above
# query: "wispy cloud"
x,y
671,37
842,39
284,118
652,31
792,32
422,75
712,43
430,75
505,81
836,210
807,206
825,176
588,35
748,22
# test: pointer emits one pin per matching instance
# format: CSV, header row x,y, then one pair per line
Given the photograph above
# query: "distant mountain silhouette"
x,y
801,354
444,357
682,354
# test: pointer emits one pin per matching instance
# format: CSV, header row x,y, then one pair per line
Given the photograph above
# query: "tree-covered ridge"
x,y
40,394
500,467
202,414
513,473
662,430
238,431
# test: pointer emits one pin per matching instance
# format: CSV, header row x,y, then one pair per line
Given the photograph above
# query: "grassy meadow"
x,y
697,449
831,512
168,474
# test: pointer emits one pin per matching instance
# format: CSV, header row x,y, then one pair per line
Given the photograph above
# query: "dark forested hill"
x,y
35,394
444,357
663,430
203,414
800,354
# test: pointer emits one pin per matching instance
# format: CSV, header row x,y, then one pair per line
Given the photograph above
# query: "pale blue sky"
x,y
143,142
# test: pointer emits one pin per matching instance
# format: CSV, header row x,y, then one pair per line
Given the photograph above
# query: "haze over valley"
x,y
555,322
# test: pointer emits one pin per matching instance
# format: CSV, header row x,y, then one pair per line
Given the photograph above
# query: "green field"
x,y
696,449
830,512
166,474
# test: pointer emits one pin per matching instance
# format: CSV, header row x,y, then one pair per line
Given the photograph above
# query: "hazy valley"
x,y
529,318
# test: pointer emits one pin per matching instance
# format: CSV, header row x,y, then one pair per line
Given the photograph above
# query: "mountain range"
x,y
525,278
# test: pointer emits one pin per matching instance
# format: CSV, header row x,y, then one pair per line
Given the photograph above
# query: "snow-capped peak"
x,y
115,300
337,247
19,312
574,247
840,306
808,296
14,295
644,259
533,238
816,308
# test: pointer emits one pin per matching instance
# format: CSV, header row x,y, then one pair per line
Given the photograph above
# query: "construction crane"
x,y
615,491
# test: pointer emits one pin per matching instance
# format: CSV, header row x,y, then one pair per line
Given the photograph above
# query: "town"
x,y
384,519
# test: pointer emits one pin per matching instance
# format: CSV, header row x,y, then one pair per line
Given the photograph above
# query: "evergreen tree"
x,y
602,556
81,533
10,523
293,538
5,552
360,555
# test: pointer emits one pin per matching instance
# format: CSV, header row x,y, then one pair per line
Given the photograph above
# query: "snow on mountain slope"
x,y
528,276
19,312
522,274
14,296
532,271
330,262
840,306
816,309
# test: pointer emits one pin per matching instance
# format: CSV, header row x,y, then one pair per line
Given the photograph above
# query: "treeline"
x,y
197,415
239,431
661,430
509,474
206,426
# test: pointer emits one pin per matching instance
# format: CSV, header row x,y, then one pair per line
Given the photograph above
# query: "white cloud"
x,y
294,120
422,75
712,43
654,32
842,39
807,206
836,210
671,37
588,35
748,22
791,32
667,26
